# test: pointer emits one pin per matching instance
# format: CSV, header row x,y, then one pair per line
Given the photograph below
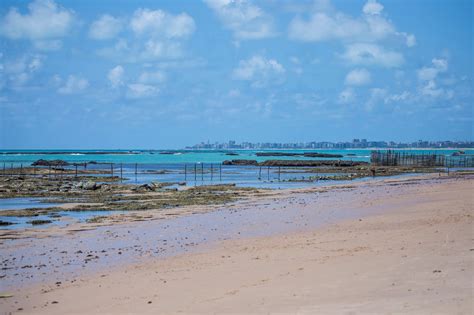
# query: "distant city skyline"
x,y
354,144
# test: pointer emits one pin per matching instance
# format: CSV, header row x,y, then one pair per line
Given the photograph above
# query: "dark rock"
x,y
5,223
39,222
311,163
42,162
305,154
240,162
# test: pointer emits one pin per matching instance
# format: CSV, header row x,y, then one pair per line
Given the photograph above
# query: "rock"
x,y
154,185
143,187
5,223
78,185
305,154
105,187
42,162
240,162
90,185
312,163
39,222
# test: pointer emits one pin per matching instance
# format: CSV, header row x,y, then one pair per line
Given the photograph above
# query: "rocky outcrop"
x,y
304,154
240,162
42,162
39,222
296,163
311,163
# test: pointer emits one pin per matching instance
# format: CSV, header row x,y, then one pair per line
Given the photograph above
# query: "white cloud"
x,y
139,90
45,20
431,89
372,7
440,64
16,73
377,96
74,84
427,74
295,60
325,23
244,19
48,45
259,70
156,49
115,76
428,77
158,23
410,40
358,77
430,73
401,97
320,26
157,35
155,77
106,27
347,96
372,54
234,93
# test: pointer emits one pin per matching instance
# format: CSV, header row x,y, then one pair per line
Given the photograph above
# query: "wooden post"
x,y
4,170
49,166
212,172
121,174
202,172
220,172
260,173
279,172
11,168
21,169
185,172
76,171
136,171
268,173
195,173
112,169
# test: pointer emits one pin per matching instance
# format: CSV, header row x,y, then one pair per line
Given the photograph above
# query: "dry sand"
x,y
416,257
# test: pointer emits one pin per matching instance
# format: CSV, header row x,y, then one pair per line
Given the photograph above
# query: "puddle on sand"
x,y
23,203
61,219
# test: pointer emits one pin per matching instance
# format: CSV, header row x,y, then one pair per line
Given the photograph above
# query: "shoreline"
x,y
376,194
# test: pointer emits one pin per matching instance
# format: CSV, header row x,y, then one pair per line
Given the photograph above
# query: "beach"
x,y
385,246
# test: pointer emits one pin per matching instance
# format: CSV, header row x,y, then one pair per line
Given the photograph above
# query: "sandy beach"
x,y
385,246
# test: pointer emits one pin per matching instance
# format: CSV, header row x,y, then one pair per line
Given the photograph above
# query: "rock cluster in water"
x,y
296,163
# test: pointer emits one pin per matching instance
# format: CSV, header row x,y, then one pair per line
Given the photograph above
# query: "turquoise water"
x,y
26,157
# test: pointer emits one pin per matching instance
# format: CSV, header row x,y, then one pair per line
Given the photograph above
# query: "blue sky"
x,y
165,74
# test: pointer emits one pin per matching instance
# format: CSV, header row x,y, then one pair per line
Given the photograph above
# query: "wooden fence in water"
x,y
394,158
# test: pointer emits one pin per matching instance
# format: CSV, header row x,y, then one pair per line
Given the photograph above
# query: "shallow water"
x,y
60,219
23,203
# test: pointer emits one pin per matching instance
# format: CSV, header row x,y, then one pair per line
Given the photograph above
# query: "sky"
x,y
117,74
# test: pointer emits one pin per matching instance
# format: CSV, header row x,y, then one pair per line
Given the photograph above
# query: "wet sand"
x,y
383,246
